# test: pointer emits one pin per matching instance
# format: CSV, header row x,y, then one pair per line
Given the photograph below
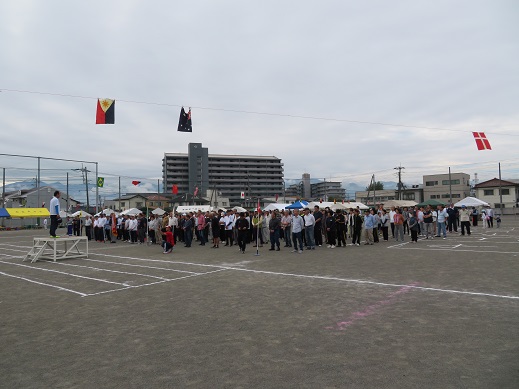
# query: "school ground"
x,y
436,314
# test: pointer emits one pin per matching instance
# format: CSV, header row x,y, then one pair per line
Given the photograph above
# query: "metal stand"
x,y
47,248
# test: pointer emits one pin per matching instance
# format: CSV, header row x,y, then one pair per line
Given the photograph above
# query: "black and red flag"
x,y
184,122
105,113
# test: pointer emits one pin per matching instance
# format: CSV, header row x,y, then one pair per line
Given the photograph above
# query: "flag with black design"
x,y
184,122
105,113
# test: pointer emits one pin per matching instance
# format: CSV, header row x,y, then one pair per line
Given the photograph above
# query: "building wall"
x,y
229,174
509,200
307,186
436,186
328,190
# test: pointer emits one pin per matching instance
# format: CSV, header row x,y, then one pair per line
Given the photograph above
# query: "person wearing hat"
x,y
465,220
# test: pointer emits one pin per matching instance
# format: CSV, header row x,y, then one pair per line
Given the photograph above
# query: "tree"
x,y
375,186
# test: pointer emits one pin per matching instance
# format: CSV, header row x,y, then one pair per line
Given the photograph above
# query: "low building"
x,y
439,187
413,193
128,201
36,198
489,191
328,190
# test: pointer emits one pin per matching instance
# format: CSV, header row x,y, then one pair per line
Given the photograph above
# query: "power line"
x,y
258,112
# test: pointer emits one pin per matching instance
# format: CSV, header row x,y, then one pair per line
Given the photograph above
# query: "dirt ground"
x,y
436,314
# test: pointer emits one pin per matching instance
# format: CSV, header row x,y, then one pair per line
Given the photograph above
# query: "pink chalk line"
x,y
373,308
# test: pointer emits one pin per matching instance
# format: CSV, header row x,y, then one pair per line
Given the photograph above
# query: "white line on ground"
x,y
143,266
106,270
344,279
43,283
458,250
61,272
153,283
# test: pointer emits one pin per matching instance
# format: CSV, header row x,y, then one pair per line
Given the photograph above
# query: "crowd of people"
x,y
295,229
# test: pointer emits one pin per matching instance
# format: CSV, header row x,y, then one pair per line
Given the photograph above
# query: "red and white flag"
x,y
481,141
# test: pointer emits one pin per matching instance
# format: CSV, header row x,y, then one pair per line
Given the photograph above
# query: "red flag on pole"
x,y
481,141
277,197
136,183
259,207
175,189
196,191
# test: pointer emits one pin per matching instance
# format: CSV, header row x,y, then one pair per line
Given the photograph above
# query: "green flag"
x,y
100,182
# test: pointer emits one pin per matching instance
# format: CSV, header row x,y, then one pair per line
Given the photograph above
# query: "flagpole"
x,y
257,230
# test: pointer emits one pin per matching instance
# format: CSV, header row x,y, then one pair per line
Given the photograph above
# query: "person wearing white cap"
x,y
465,220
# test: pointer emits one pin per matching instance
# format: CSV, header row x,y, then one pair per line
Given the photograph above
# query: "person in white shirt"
x,y
286,226
88,227
309,229
101,230
442,217
490,218
54,208
229,224
392,220
421,221
265,227
132,227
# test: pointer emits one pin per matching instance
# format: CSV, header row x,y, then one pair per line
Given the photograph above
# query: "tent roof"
x,y
273,206
4,213
471,202
28,212
399,203
297,205
431,202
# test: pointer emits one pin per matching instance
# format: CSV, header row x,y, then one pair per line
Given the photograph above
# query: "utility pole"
x,y
68,210
399,168
120,194
450,186
500,192
374,191
84,171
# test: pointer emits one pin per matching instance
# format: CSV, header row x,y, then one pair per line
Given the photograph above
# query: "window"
x,y
122,203
456,196
435,196
488,192
505,191
453,182
499,205
151,204
138,204
446,196
431,183
408,196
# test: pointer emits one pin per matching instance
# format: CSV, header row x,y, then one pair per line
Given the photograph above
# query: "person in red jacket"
x,y
168,241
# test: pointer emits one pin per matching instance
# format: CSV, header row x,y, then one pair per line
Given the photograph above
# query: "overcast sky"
x,y
445,64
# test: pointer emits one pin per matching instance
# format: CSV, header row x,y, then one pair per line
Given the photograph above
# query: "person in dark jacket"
x,y
357,227
242,226
274,228
330,225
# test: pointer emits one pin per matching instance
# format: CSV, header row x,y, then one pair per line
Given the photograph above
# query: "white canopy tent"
x,y
239,209
81,214
158,211
106,211
471,202
131,211
399,203
354,205
273,206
